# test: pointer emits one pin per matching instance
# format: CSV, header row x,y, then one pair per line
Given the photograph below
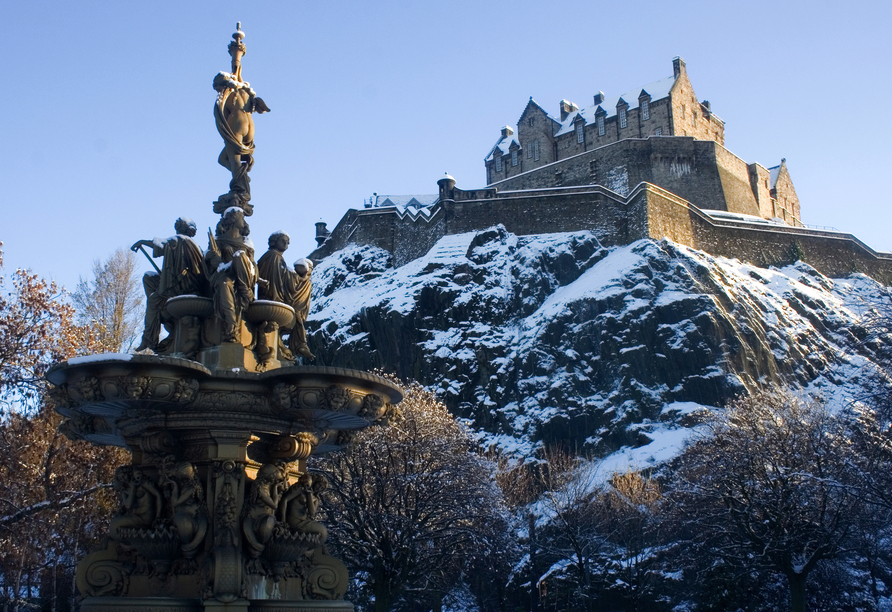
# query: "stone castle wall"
x,y
702,172
648,211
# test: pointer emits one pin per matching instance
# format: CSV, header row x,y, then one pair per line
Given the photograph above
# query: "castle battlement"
x,y
648,164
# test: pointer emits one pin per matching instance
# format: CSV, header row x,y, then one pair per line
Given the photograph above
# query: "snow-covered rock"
x,y
538,339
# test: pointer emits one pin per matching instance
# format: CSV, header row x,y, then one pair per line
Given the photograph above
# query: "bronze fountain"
x,y
217,509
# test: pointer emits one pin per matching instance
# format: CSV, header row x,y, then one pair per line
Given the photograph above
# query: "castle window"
x,y
694,119
600,126
530,151
580,134
530,121
645,110
682,111
622,118
514,157
658,131
498,162
536,150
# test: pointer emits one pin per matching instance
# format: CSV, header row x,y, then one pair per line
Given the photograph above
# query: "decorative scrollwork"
x,y
326,578
102,574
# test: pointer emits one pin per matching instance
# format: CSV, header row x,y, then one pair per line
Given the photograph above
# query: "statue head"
x,y
185,226
279,241
270,472
233,217
184,470
303,266
223,81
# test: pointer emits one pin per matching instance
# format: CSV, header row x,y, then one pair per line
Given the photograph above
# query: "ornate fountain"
x,y
217,509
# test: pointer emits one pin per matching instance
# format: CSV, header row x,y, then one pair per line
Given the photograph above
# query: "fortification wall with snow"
x,y
646,212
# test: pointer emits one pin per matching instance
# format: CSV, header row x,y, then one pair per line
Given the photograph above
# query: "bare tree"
x,y
770,488
111,301
53,493
413,504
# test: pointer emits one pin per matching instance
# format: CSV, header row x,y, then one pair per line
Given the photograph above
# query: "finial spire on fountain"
x,y
237,49
236,102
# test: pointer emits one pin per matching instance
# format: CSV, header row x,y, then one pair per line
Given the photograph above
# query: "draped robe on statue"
x,y
302,287
233,276
182,273
272,268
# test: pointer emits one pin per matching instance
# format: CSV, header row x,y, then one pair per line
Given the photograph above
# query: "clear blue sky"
x,y
109,133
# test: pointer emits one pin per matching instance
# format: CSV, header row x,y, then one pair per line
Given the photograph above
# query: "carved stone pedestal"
x,y
217,512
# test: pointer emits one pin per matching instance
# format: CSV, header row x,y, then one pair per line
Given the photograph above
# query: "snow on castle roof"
x,y
657,91
502,145
775,171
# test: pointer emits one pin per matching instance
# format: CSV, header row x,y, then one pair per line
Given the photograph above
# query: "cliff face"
x,y
539,339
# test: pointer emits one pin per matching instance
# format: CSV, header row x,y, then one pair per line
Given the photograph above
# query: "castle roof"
x,y
503,146
540,107
656,90
404,202
774,173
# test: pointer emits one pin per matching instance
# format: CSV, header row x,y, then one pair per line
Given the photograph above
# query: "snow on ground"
x,y
535,344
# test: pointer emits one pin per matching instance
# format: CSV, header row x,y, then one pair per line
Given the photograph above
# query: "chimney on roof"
x,y
507,131
678,67
599,98
567,108
322,233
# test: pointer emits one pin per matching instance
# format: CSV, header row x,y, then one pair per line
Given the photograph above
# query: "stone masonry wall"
x,y
688,117
648,211
831,253
700,171
414,238
611,219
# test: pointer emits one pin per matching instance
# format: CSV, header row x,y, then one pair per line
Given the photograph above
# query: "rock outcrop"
x,y
554,338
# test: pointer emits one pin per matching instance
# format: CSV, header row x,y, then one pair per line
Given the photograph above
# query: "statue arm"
x,y
182,496
159,501
157,246
265,495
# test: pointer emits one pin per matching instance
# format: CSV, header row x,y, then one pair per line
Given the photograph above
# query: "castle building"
x,y
650,163
608,143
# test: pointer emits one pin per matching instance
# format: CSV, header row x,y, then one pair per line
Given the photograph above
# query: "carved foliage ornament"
x,y
90,389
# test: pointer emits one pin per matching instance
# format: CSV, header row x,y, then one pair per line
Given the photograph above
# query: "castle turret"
x,y
322,233
447,187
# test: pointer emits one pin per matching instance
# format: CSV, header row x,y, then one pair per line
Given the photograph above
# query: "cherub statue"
x,y
141,502
189,514
182,273
259,519
299,505
233,273
236,102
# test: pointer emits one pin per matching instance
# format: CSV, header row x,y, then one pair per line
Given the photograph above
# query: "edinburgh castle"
x,y
650,163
